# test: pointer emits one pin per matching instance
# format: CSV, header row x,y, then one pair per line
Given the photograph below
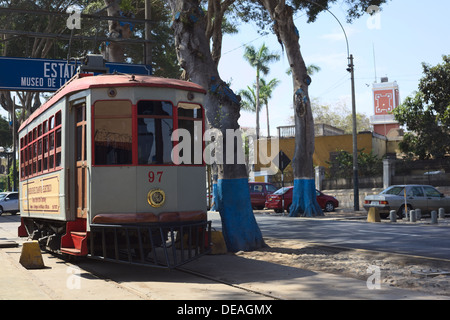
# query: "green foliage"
x,y
341,166
5,134
339,116
427,114
248,102
260,58
253,11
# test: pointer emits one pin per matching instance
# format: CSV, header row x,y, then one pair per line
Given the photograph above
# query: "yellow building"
x,y
328,141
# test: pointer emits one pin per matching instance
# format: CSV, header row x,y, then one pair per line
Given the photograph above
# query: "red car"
x,y
258,193
273,201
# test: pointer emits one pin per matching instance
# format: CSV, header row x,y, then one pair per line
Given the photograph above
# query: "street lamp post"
x,y
351,69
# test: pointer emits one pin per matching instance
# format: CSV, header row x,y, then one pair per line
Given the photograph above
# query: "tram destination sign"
x,y
49,75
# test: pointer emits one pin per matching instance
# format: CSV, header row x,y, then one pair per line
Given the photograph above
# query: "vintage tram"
x,y
97,176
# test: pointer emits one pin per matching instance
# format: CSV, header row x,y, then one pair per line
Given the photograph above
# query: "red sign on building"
x,y
386,99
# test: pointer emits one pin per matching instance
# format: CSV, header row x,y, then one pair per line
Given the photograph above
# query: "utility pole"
x,y
14,136
351,69
148,46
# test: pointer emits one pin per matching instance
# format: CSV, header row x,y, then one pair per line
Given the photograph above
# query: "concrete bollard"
x,y
418,214
441,213
393,216
31,257
434,217
412,216
373,215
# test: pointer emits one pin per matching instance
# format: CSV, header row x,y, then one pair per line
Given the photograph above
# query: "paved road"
x,y
421,239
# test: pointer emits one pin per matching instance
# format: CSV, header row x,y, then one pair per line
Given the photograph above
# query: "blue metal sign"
x,y
49,75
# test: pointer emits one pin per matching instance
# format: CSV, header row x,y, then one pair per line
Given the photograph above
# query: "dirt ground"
x,y
399,271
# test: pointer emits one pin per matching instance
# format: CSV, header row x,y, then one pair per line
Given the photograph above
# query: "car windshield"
x,y
3,195
282,190
395,190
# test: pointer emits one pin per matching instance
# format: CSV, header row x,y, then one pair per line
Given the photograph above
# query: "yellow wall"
x,y
324,145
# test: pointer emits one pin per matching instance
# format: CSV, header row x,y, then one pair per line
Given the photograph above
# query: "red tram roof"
x,y
112,80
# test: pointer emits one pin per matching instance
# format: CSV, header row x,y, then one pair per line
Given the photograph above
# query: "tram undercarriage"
x,y
165,245
154,244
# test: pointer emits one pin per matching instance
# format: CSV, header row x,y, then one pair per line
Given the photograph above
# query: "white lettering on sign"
x,y
31,82
58,70
55,75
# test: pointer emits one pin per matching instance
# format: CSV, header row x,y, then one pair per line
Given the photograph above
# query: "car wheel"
x,y
1,210
401,211
329,207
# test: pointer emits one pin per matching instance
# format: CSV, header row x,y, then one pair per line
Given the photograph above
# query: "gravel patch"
x,y
425,275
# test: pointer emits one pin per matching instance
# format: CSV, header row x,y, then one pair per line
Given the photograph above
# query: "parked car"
x,y
9,202
274,201
397,197
259,192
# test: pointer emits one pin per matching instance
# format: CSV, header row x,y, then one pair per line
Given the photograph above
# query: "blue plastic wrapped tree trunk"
x,y
304,200
239,227
214,197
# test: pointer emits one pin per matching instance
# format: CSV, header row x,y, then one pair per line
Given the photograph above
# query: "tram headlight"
x,y
156,197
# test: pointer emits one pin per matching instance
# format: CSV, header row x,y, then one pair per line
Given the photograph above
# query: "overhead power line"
x,y
65,15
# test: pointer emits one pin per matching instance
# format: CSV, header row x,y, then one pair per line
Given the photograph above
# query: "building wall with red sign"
x,y
386,97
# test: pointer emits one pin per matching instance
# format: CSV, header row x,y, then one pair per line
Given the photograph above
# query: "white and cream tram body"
x,y
97,176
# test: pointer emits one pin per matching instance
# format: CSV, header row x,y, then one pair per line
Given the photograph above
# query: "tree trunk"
x,y
114,51
258,107
304,200
267,116
239,227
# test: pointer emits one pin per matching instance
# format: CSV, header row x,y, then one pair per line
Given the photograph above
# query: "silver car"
x,y
397,197
9,202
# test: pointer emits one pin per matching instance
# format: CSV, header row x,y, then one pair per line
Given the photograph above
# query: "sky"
x,y
394,43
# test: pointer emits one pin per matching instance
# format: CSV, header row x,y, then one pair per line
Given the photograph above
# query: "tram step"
x,y
79,244
71,251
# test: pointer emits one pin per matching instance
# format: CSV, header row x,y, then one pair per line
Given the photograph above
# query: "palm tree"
x,y
259,59
248,102
266,94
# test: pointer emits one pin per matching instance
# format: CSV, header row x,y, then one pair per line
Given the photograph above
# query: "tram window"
x,y
51,123
154,143
154,108
79,145
189,118
80,115
155,127
58,118
52,140
58,138
113,133
58,159
189,110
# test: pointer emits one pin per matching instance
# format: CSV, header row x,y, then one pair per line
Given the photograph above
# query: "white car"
x,y
399,197
9,202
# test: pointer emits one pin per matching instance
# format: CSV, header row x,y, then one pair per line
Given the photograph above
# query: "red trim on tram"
x,y
108,80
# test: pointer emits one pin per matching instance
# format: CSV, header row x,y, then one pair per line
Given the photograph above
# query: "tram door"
x,y
80,161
